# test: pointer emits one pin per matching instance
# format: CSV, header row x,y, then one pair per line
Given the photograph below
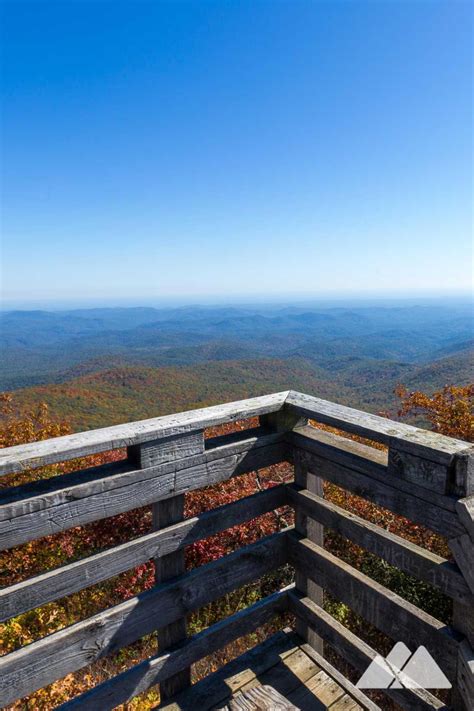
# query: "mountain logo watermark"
x,y
403,670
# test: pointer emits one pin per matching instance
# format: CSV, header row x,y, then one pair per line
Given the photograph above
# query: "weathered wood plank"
x,y
465,680
465,511
383,494
166,513
462,549
397,551
356,652
423,443
39,515
125,686
383,608
263,698
70,578
422,472
168,449
308,528
344,683
42,662
284,421
61,449
318,693
366,460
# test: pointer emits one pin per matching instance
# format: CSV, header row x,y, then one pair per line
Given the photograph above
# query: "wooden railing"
x,y
423,476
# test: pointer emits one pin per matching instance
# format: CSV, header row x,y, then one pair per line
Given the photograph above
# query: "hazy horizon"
x,y
321,300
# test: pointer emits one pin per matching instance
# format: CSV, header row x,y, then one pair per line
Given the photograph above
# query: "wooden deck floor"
x,y
285,663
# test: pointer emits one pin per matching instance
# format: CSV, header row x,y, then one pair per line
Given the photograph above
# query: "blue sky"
x,y
205,150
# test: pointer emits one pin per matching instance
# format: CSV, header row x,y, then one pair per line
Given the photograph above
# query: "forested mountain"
x,y
122,393
356,345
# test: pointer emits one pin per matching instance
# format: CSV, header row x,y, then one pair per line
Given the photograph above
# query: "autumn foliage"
x,y
448,411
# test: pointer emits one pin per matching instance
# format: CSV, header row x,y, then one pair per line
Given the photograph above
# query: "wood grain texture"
x,y
382,493
216,688
466,675
125,686
356,652
397,551
167,449
462,549
465,511
61,449
37,514
420,471
68,579
423,443
311,529
261,698
383,608
357,695
166,513
364,459
52,657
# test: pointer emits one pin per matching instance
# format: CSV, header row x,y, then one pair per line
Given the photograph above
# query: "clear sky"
x,y
231,149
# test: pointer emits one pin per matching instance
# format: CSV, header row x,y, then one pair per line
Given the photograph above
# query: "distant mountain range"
x,y
354,355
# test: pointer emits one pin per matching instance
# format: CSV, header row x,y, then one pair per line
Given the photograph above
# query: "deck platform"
x,y
285,663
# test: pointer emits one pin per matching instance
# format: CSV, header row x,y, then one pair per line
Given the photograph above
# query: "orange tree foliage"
x,y
449,411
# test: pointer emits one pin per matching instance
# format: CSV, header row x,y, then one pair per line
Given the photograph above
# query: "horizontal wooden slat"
x,y
424,443
60,449
70,578
141,677
355,651
367,460
40,514
383,608
403,554
52,657
374,489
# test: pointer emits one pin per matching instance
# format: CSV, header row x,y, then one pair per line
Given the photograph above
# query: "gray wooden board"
x,y
356,652
74,647
465,511
335,674
411,439
45,514
167,449
462,549
401,502
60,449
70,578
125,686
364,459
263,698
308,527
383,608
166,513
466,675
397,551
217,687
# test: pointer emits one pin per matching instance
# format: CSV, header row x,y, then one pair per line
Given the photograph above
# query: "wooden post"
x,y
166,513
462,549
284,421
314,532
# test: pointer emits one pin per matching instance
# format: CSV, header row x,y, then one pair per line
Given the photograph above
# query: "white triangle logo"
x,y
401,670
